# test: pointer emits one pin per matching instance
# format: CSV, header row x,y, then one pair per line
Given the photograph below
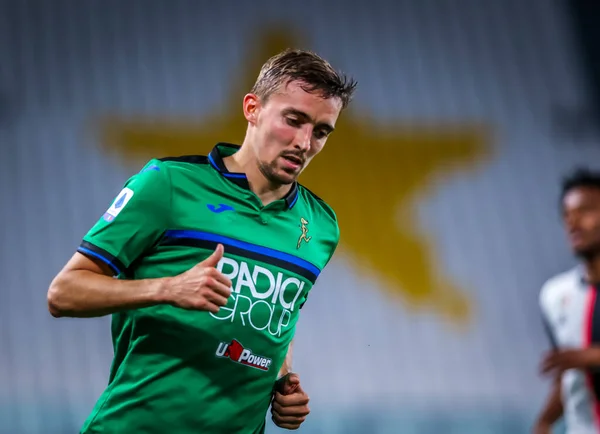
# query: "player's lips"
x,y
292,161
576,237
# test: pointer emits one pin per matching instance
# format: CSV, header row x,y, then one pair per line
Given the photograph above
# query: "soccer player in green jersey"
x,y
214,256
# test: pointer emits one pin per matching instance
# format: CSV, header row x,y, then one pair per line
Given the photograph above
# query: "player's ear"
x,y
251,107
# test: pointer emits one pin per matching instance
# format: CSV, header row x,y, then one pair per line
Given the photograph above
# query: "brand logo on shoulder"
x,y
124,196
244,356
219,209
151,167
304,236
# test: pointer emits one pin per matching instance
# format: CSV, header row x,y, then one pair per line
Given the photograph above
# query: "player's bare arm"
x,y
577,358
85,288
290,402
552,410
286,368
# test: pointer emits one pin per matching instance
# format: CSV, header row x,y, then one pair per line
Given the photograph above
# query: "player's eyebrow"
x,y
306,118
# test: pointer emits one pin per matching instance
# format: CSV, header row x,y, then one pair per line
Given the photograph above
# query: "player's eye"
x,y
293,122
320,134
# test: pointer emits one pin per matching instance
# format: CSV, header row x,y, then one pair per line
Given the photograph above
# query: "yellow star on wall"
x,y
369,173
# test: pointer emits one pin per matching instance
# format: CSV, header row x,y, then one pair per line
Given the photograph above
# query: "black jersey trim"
x,y
215,158
194,159
94,251
206,240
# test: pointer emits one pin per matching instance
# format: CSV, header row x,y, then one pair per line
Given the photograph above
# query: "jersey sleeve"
x,y
336,242
335,231
333,244
136,219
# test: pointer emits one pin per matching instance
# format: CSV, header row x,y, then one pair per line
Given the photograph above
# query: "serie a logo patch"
x,y
123,197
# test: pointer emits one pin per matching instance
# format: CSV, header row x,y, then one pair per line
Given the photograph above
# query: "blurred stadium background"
x,y
444,173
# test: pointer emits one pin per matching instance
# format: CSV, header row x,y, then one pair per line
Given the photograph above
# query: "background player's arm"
x,y
552,410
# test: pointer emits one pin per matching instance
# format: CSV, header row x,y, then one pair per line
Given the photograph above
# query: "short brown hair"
x,y
314,72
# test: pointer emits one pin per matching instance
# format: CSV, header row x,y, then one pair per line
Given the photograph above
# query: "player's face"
x,y
291,128
581,207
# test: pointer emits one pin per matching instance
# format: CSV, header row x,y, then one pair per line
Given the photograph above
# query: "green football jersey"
x,y
183,371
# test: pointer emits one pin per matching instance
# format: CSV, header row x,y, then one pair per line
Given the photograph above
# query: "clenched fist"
x,y
202,287
290,403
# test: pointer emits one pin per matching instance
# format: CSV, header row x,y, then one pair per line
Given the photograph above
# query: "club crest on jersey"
x,y
122,198
304,235
237,353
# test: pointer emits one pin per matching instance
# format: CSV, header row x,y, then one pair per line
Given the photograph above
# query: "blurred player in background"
x,y
215,255
571,311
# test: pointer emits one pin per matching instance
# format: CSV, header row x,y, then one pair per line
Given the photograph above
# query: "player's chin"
x,y
286,176
583,250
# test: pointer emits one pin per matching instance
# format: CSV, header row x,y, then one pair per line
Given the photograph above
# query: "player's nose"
x,y
571,222
303,138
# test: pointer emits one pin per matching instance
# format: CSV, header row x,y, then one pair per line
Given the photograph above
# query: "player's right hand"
x,y
202,287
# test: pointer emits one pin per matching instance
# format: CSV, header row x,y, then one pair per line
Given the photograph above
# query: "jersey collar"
x,y
583,280
215,159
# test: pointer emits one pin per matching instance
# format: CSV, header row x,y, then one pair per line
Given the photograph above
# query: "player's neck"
x,y
592,269
244,162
